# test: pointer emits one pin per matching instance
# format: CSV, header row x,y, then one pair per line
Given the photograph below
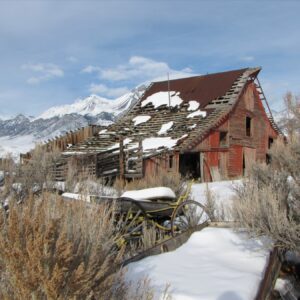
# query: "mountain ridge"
x,y
58,120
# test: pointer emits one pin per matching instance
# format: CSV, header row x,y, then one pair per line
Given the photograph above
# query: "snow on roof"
x,y
165,128
162,98
157,142
215,263
151,193
117,145
140,119
197,113
102,131
192,126
193,105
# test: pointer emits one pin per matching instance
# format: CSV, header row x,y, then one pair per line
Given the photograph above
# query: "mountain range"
x,y
19,134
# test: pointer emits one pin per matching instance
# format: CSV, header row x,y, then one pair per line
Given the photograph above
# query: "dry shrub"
x,y
216,211
8,167
95,186
164,178
53,249
268,201
36,173
210,204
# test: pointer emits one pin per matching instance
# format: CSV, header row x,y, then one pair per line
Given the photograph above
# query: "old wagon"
x,y
157,207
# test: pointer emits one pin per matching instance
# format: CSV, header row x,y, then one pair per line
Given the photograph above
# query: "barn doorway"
x,y
189,165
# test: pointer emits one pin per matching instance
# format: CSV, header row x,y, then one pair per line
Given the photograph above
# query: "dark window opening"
x,y
189,165
171,161
248,126
268,159
270,142
244,165
223,138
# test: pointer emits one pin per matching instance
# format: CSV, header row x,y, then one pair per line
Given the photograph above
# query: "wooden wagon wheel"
x,y
132,220
186,216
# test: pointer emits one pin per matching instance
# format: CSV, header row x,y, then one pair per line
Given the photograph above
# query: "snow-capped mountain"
x,y
60,119
93,106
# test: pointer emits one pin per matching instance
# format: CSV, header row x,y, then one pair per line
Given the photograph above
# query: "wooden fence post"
x,y
121,160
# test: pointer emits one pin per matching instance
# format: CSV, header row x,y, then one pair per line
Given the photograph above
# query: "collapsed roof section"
x,y
172,115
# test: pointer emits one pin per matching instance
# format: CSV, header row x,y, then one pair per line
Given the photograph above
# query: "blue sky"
x,y
53,52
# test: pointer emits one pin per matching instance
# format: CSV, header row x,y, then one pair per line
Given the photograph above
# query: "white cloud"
x,y
104,90
44,71
138,68
90,69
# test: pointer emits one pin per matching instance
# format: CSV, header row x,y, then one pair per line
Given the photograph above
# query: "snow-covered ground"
x,y
222,191
215,263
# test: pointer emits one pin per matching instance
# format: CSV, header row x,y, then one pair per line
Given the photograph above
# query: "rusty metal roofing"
x,y
202,89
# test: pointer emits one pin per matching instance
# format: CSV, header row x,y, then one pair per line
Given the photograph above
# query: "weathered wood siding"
x,y
255,146
153,165
240,150
61,143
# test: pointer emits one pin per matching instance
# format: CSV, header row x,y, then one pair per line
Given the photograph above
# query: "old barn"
x,y
207,127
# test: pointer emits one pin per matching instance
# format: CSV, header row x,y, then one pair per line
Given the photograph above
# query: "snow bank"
x,y
162,98
140,119
151,193
222,190
197,113
215,263
165,128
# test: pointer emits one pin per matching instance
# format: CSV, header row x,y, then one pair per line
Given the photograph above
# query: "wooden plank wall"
x,y
231,163
249,105
154,165
61,143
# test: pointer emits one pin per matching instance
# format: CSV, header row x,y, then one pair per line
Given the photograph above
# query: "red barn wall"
x,y
229,157
255,146
154,165
233,158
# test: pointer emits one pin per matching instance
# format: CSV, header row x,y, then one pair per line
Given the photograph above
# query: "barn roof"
x,y
202,89
175,117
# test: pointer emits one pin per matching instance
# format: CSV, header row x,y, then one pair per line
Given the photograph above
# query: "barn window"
x,y
268,158
270,142
170,161
223,138
248,126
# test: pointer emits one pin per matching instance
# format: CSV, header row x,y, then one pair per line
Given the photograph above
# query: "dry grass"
x,y
210,204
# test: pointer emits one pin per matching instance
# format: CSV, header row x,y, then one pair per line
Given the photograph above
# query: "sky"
x,y
54,52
